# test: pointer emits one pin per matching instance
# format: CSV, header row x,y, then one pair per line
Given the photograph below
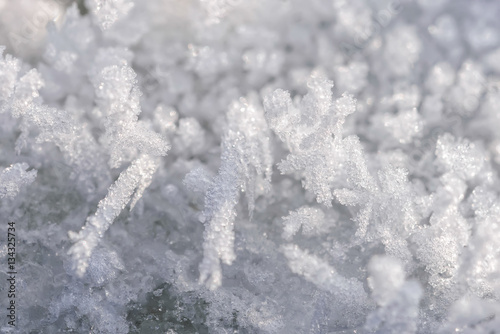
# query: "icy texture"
x,y
245,166
10,68
314,270
133,181
14,178
459,157
311,220
118,100
332,166
107,12
310,129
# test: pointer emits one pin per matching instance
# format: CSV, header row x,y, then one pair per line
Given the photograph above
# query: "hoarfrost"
x,y
14,178
106,13
131,182
310,219
286,204
245,166
310,130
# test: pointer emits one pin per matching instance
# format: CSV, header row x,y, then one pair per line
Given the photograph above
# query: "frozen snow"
x,y
268,166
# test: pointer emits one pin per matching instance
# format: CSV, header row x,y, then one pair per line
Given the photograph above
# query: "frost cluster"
x,y
267,166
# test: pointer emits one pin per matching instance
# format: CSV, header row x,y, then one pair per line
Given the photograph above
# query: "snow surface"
x,y
266,166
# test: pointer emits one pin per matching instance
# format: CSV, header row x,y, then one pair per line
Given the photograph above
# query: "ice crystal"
x,y
322,275
309,130
106,13
245,166
310,219
332,167
131,182
14,178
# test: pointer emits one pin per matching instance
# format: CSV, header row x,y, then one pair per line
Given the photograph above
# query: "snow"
x,y
268,166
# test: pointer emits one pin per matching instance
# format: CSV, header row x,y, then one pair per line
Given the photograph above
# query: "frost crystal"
x,y
118,96
14,178
107,12
460,157
245,166
316,271
310,130
133,181
286,203
9,68
405,126
310,219
55,126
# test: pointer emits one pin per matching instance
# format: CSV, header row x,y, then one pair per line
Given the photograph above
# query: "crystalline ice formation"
x,y
332,167
14,178
310,219
325,277
312,132
118,98
107,12
246,166
133,181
